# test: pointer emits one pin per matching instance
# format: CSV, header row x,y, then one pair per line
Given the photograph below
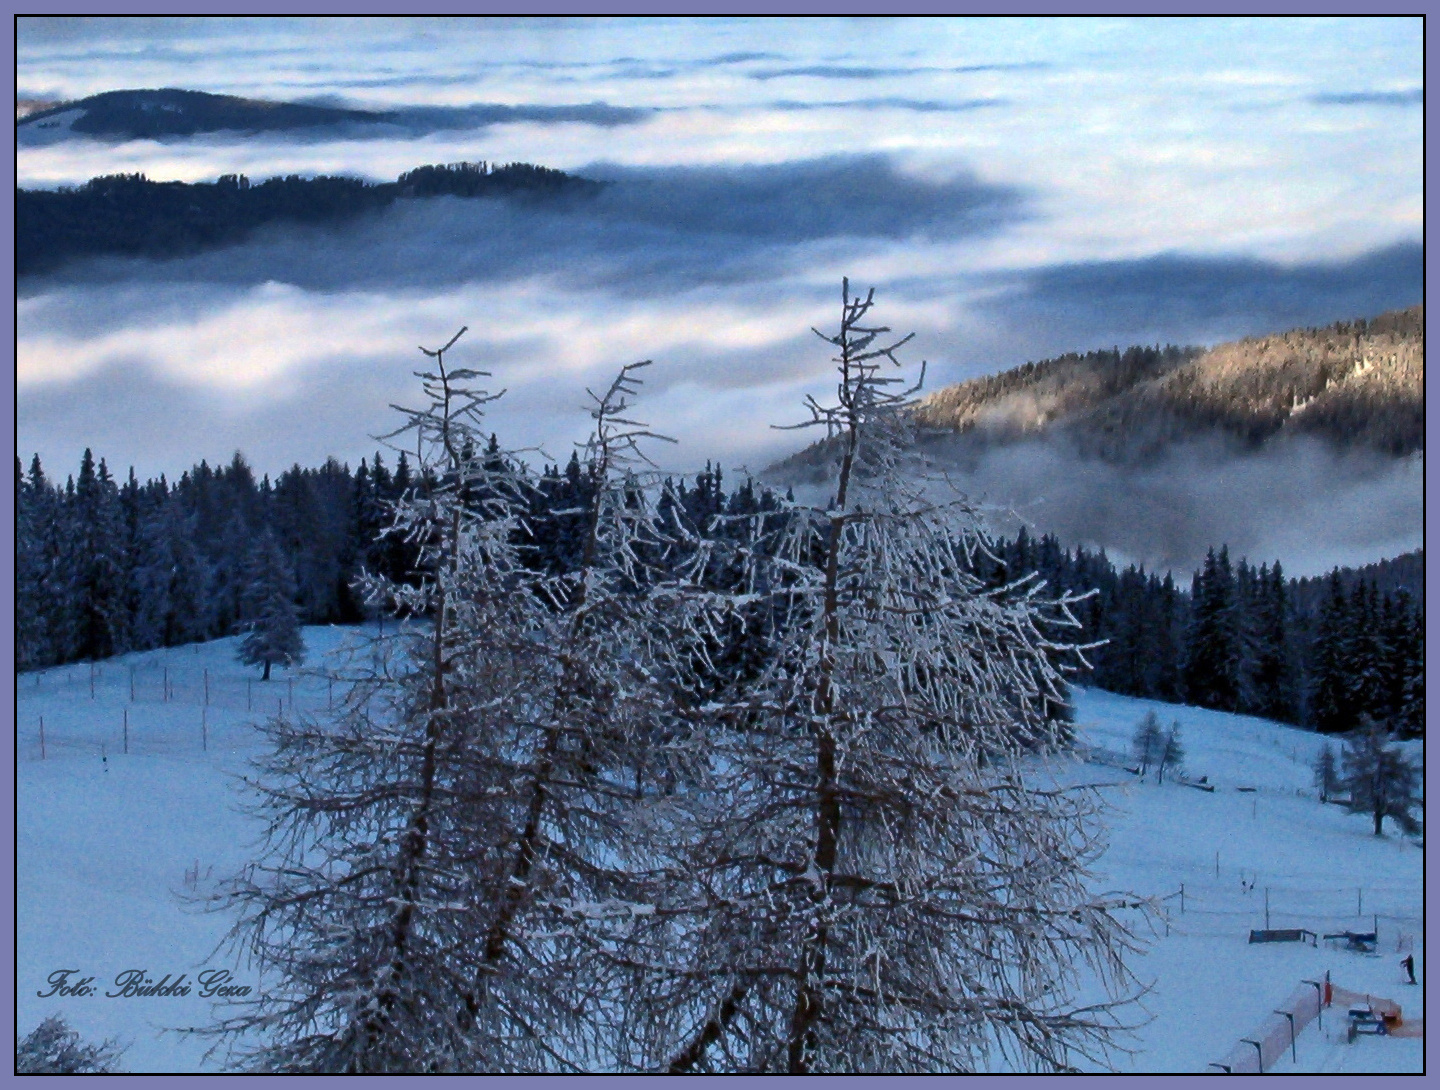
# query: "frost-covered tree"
x,y
1172,751
273,624
1327,772
1379,779
1148,742
446,858
367,904
53,1048
875,873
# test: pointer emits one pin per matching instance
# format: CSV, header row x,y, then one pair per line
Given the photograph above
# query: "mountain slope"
x,y
1357,385
1354,384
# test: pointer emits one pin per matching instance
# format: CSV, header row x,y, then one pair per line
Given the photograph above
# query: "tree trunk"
x,y
266,675
1379,817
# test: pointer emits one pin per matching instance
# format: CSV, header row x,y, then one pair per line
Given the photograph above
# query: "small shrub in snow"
x,y
1148,742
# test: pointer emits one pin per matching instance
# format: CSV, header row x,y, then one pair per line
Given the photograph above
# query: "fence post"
x,y
132,684
204,741
1217,864
1319,1002
1267,908
247,694
92,681
1182,898
1259,1053
279,708
1359,901
207,688
165,685
125,729
1290,1017
42,737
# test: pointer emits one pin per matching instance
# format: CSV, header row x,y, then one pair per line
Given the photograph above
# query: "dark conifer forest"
x,y
130,216
105,566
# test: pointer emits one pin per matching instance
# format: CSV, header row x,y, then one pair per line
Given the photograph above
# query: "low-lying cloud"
x,y
1414,97
1297,500
658,230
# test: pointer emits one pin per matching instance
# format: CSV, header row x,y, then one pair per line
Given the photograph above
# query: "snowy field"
x,y
133,807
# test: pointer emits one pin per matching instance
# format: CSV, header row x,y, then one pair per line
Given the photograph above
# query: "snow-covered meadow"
x,y
134,806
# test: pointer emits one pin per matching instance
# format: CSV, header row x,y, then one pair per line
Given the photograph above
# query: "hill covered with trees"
x,y
105,566
132,216
1357,383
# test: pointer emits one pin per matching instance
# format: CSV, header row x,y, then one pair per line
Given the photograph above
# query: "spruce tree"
x,y
1272,670
94,525
1212,652
273,626
1331,710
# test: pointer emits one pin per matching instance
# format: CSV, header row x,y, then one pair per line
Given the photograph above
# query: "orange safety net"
x,y
1261,1049
1387,1009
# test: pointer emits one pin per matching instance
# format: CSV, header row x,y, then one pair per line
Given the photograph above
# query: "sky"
x,y
1012,188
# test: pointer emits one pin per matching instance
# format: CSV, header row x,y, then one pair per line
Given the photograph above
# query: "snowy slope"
x,y
108,848
1323,869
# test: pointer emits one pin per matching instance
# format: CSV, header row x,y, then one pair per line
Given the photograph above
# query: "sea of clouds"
x,y
1013,189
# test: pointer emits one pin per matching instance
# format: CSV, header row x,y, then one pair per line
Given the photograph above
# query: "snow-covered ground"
x,y
109,843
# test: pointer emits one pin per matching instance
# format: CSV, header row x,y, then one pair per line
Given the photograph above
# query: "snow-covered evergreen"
x,y
273,635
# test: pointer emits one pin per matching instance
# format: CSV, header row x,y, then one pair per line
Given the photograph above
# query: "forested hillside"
x,y
105,566
1241,638
1359,383
129,215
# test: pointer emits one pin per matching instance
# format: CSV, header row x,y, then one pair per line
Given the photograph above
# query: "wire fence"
x,y
1393,914
156,708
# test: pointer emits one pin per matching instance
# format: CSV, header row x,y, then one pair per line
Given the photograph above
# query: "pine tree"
x,y
175,581
1380,781
1411,715
855,882
35,616
1272,670
1331,710
94,526
1212,654
273,634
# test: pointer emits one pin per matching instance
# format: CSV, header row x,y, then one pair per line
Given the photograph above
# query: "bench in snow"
x,y
1362,941
1283,934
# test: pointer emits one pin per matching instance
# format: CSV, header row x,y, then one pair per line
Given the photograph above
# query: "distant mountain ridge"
x,y
1355,384
155,114
129,215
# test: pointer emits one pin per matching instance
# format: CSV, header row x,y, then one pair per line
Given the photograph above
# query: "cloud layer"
x,y
1014,188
